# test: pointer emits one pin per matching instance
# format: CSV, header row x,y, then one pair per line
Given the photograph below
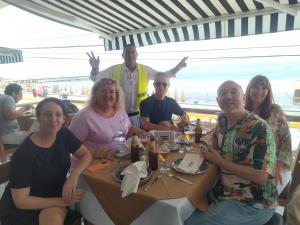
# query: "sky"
x,y
26,31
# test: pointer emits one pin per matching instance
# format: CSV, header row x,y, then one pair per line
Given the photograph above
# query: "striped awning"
x,y
8,55
148,22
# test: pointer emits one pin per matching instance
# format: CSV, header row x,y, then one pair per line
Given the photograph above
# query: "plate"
x,y
174,147
117,176
202,168
126,155
122,155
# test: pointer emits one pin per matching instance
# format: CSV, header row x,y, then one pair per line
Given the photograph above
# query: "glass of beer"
x,y
163,152
145,141
188,136
176,119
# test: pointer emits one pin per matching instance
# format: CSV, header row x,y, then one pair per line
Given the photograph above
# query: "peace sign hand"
x,y
94,62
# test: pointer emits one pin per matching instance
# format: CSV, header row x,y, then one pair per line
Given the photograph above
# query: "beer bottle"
x,y
135,149
198,132
153,165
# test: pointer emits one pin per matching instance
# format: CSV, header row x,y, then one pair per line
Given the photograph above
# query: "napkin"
x,y
132,175
125,148
190,163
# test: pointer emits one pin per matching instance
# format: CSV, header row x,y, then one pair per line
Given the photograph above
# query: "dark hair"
x,y
40,105
9,89
266,105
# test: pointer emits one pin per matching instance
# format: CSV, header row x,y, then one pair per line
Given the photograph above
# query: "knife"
x,y
150,184
182,179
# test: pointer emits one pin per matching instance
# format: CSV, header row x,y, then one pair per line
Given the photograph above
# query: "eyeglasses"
x,y
157,84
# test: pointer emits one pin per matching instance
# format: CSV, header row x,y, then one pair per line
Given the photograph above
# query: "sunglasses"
x,y
157,84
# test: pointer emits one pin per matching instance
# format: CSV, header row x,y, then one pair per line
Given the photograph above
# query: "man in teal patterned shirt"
x,y
244,150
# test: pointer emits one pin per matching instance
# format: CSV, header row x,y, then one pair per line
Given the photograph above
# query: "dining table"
x,y
168,200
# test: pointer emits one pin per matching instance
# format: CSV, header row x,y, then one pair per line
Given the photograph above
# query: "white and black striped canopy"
x,y
8,55
148,22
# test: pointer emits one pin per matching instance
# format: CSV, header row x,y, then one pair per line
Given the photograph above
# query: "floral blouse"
x,y
282,135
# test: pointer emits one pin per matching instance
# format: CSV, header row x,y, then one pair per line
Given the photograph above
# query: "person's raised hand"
x,y
182,63
94,62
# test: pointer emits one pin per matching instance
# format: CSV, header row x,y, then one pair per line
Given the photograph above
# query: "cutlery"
x,y
154,181
166,186
179,178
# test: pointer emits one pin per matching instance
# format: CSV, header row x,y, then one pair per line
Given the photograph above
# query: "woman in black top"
x,y
39,190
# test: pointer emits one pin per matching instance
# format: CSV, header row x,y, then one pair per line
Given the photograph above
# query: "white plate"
x,y
202,168
122,155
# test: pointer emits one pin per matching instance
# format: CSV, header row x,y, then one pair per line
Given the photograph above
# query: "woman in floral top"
x,y
259,99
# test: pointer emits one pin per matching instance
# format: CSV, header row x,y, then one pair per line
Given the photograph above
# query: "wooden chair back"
x,y
4,172
2,150
295,174
69,120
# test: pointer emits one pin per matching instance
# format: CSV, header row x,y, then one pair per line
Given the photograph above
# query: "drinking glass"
x,y
188,135
163,153
176,119
119,136
145,141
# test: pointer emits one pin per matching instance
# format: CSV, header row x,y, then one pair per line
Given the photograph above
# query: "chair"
x,y
4,172
277,219
69,120
5,151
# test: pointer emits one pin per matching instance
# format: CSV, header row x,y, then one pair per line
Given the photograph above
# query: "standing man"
x,y
244,150
133,78
156,111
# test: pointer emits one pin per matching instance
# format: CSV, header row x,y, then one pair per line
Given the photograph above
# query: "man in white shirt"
x,y
133,78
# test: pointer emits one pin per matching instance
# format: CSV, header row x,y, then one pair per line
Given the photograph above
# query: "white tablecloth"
x,y
163,212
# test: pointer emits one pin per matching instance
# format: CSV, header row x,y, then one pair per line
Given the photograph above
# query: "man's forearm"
x,y
174,71
244,172
147,125
94,73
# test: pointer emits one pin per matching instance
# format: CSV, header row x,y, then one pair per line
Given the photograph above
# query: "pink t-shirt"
x,y
96,131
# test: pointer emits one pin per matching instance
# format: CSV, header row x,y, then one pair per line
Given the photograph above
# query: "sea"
x,y
195,91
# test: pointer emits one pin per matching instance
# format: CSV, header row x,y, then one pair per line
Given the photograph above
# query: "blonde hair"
x,y
99,85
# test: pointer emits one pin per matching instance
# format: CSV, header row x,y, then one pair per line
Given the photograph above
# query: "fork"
x,y
152,182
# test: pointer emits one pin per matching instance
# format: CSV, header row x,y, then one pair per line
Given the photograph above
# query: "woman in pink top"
x,y
97,125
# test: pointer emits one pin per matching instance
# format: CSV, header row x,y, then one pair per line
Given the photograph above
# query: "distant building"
x,y
296,97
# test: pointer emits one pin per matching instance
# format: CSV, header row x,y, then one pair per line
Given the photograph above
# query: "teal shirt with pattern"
x,y
250,142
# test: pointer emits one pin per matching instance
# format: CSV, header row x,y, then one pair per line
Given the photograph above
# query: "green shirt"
x,y
249,142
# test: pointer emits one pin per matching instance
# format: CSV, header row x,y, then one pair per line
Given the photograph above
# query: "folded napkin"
x,y
132,175
191,162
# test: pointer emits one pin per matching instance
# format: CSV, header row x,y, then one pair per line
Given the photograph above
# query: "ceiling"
x,y
8,55
148,22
